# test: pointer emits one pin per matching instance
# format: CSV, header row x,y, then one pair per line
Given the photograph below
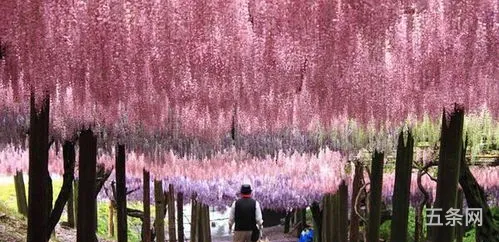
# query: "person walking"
x,y
246,214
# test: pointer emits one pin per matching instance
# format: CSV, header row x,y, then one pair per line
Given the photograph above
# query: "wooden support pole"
x,y
180,216
194,220
22,205
375,197
460,227
39,202
401,193
70,207
110,224
86,226
121,193
343,212
451,143
171,214
159,223
207,223
146,222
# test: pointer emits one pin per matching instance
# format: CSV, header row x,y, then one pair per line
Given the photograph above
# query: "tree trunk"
x,y
401,191
121,193
375,197
86,226
180,216
159,223
38,199
343,212
356,186
22,205
146,223
194,220
68,151
171,214
451,144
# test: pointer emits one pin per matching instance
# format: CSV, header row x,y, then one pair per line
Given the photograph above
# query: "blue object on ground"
x,y
307,236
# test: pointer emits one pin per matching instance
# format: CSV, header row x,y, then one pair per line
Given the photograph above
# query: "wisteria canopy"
x,y
292,86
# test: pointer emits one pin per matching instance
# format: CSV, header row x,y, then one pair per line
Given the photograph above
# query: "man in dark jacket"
x,y
246,214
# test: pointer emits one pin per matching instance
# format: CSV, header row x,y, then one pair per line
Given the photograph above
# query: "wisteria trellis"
x,y
142,71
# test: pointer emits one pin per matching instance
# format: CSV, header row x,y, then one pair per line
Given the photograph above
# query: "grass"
x,y
8,205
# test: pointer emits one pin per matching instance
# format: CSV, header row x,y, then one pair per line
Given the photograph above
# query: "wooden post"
x,y
375,197
22,205
401,193
356,186
180,216
207,223
200,229
86,189
121,193
194,220
343,212
39,202
110,224
146,222
159,223
75,199
451,143
70,207
171,214
460,227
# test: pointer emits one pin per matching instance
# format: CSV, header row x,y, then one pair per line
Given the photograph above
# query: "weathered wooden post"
x,y
86,189
146,222
451,143
159,223
180,216
375,197
171,214
121,193
39,202
401,193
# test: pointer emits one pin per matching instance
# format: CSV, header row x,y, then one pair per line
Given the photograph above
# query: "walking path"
x,y
272,234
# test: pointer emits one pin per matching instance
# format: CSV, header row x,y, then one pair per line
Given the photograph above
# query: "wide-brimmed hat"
x,y
246,189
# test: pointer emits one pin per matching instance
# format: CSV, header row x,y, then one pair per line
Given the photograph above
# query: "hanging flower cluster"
x,y
272,64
